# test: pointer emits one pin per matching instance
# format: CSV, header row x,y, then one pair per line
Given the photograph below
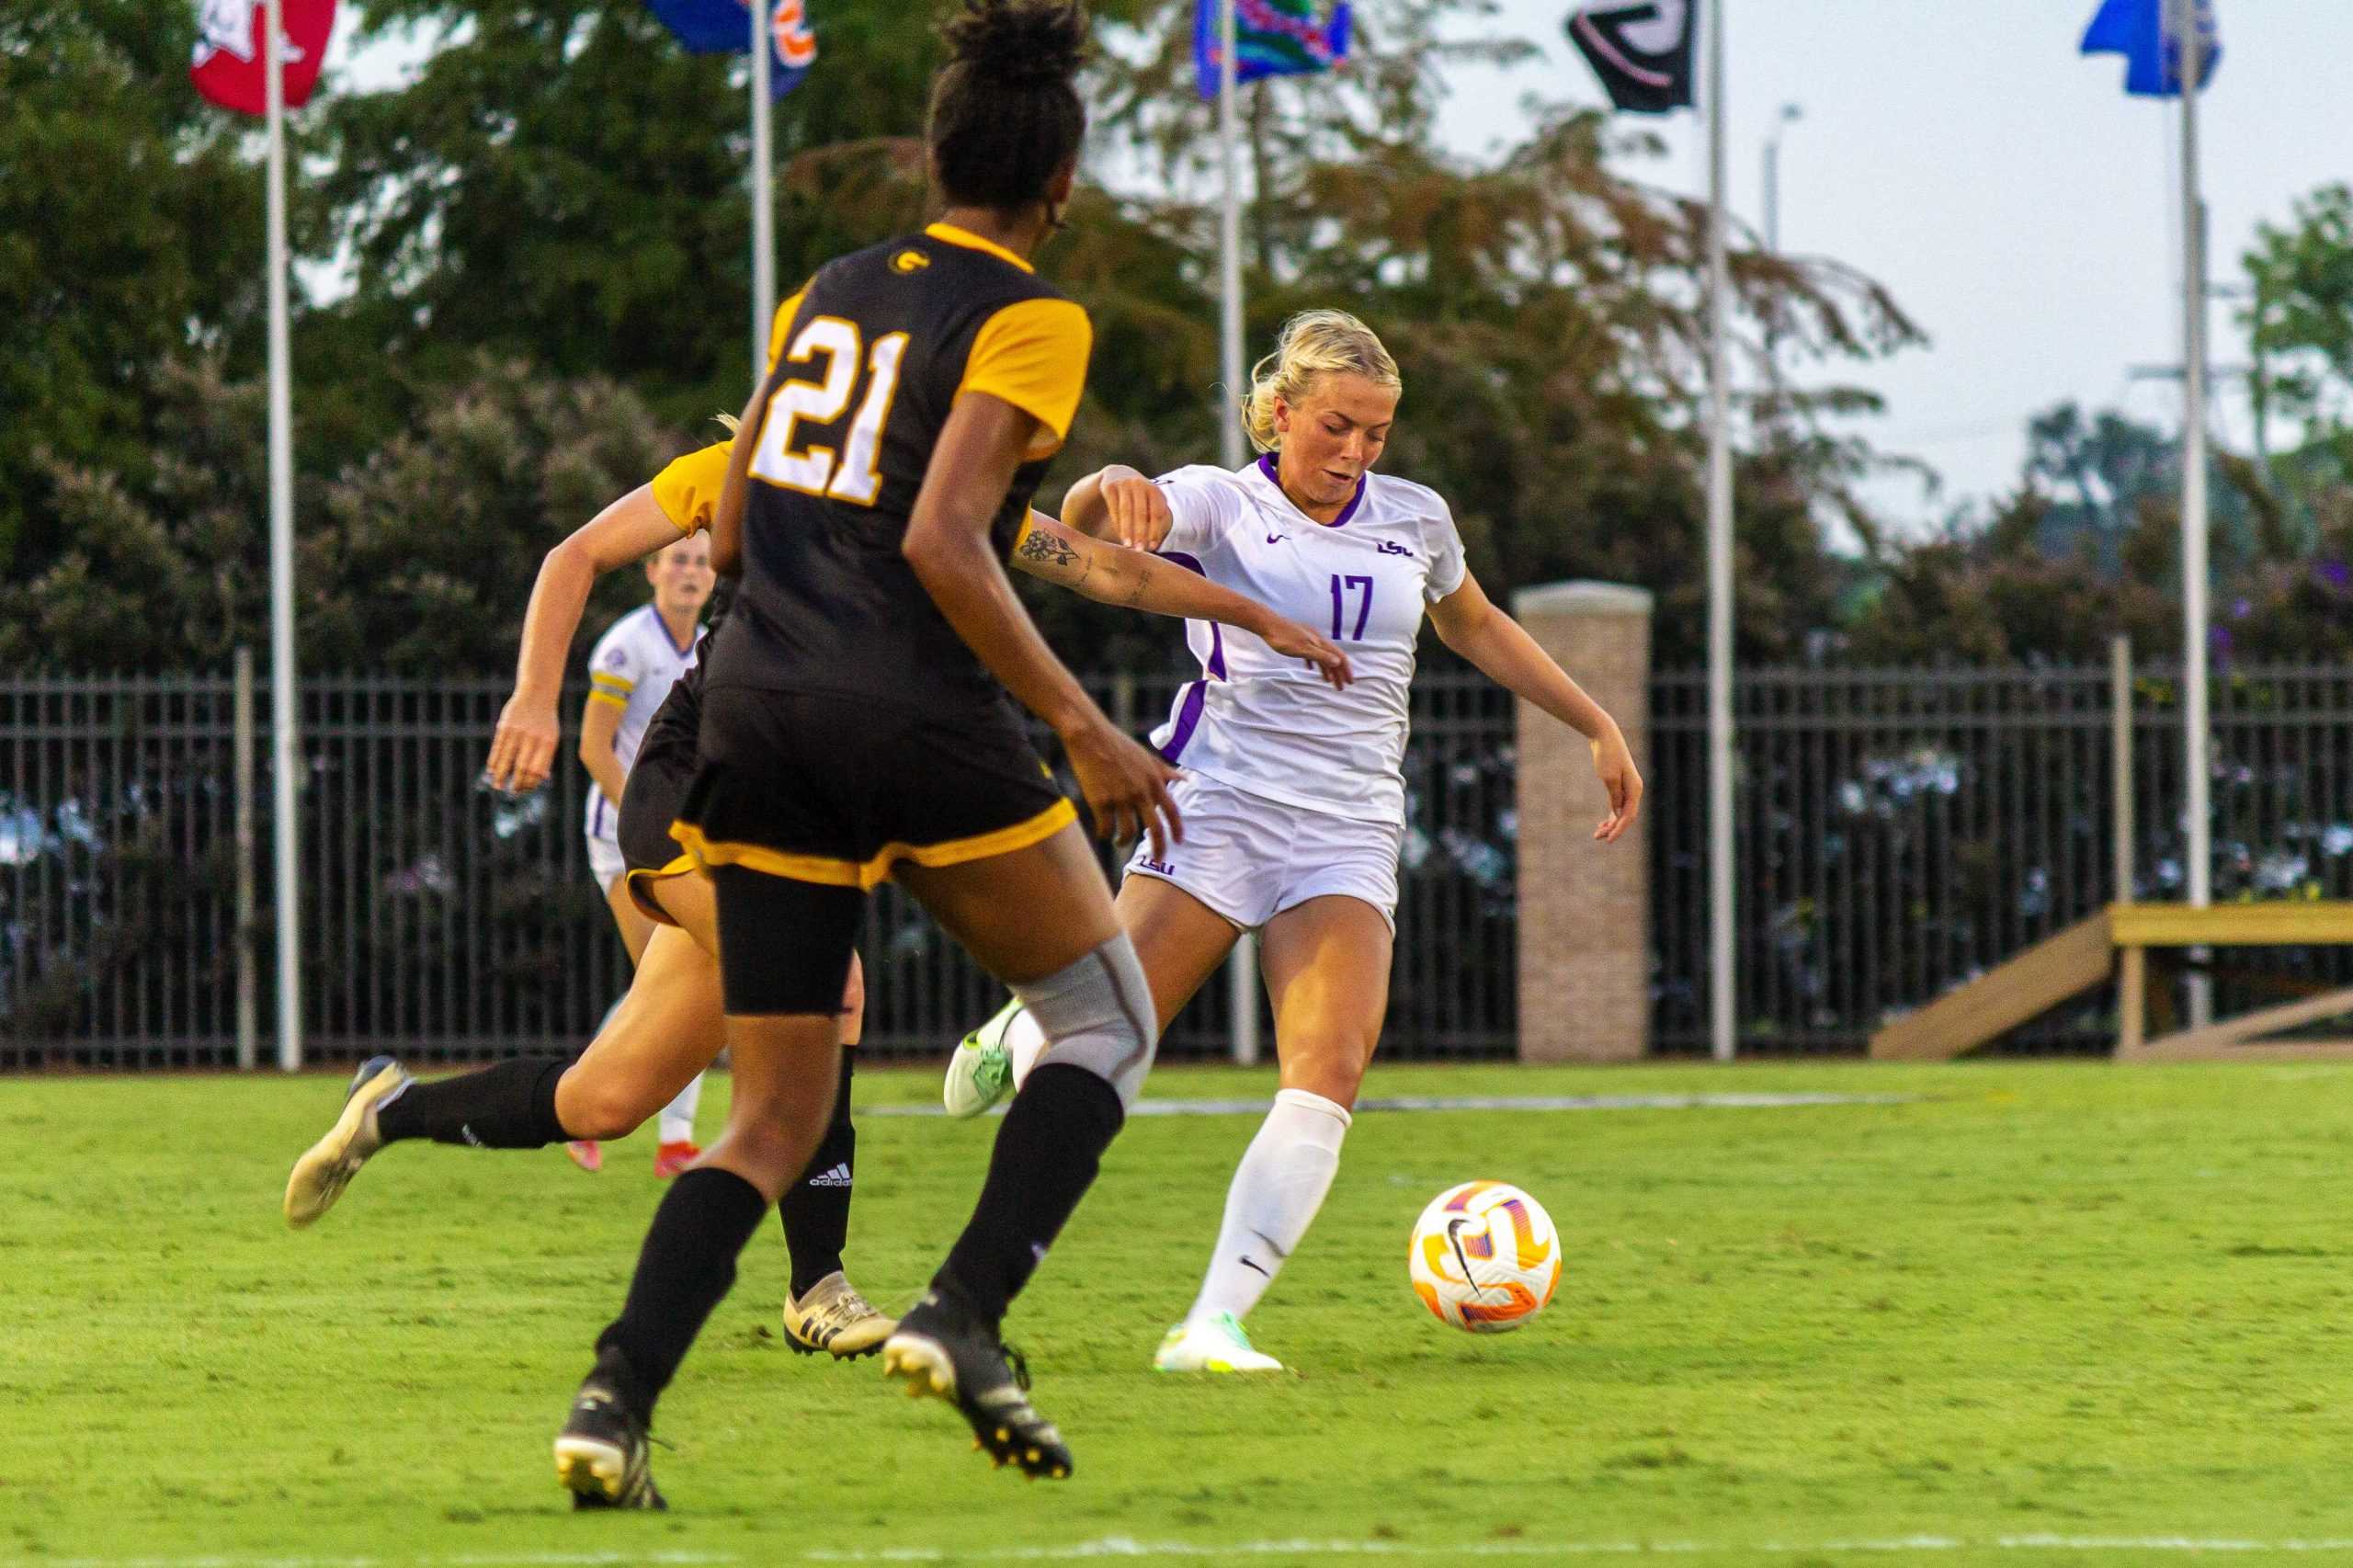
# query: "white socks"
x,y
678,1116
1277,1189
1024,1042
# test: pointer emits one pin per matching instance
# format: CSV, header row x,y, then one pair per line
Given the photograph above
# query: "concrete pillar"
x,y
1583,907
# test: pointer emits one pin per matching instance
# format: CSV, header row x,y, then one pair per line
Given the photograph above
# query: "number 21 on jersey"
x,y
856,477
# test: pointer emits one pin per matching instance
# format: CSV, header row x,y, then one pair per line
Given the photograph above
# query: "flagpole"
x,y
2197,766
1242,970
285,741
763,190
1724,970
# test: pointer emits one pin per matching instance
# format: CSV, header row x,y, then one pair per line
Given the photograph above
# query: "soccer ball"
x,y
1484,1256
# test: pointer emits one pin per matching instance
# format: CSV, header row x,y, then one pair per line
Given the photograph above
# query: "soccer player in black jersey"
x,y
858,727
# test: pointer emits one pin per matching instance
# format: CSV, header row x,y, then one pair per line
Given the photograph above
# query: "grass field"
x,y
2031,1310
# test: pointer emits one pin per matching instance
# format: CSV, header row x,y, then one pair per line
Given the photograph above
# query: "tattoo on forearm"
x,y
1046,549
1142,584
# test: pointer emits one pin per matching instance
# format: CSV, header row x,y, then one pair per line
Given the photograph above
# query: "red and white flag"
x,y
232,67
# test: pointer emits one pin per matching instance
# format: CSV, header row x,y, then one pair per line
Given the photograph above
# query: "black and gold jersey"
x,y
874,351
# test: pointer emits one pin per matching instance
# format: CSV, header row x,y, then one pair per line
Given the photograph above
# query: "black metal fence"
x,y
457,924
1899,831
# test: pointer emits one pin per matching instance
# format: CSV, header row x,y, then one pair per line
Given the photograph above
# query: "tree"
x,y
2301,327
1545,309
2089,545
420,560
130,230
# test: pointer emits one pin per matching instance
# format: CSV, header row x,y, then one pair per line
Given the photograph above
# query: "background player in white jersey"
x,y
630,671
1292,795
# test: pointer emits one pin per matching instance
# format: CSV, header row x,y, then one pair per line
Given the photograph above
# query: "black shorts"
x,y
837,791
804,802
657,787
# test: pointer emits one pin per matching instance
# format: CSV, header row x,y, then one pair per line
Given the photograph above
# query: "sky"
x,y
2015,202
2020,207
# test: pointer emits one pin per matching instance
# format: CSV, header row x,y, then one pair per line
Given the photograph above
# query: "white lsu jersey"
x,y
633,667
1267,724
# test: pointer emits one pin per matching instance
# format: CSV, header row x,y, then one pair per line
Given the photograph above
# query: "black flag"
x,y
1642,50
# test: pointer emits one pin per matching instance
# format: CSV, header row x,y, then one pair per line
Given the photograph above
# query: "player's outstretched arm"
x,y
971,468
631,529
1132,579
1119,505
1471,624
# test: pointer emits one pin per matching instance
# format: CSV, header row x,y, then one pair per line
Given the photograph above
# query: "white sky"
x,y
2018,205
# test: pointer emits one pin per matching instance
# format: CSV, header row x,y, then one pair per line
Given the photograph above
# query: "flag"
x,y
1640,51
1271,38
232,65
2144,31
724,26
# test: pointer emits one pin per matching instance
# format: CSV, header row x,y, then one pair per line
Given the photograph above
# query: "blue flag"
x,y
724,26
1271,38
2145,32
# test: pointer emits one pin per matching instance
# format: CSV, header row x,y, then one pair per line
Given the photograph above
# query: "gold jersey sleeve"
x,y
688,491
782,324
1033,355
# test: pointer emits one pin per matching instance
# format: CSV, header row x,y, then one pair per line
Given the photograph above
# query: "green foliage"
x,y
130,233
418,559
558,193
2089,546
2301,327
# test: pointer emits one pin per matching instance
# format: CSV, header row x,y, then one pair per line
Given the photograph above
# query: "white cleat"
x,y
328,1165
980,1072
1213,1344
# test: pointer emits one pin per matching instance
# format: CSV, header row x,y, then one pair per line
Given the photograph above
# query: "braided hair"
x,y
1005,117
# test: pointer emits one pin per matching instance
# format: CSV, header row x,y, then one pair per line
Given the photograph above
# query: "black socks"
x,y
686,1265
815,1210
1046,1156
511,1106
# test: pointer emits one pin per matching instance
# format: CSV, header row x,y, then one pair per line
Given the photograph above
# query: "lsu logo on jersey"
x,y
909,262
1391,546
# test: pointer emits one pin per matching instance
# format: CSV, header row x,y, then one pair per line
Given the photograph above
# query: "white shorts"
x,y
605,860
1249,858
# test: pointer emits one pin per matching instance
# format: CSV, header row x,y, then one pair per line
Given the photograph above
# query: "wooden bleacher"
x,y
2116,943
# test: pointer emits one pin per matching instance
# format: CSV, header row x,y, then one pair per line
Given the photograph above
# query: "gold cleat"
x,y
327,1166
833,1317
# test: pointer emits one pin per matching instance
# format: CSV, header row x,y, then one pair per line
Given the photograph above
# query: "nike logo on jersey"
x,y
1277,539
1391,546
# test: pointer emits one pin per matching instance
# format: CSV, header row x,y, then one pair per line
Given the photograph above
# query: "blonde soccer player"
x,y
630,671
1292,793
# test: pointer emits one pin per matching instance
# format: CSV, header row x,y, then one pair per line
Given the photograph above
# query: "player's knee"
x,y
1097,1014
595,1108
766,1152
1335,1075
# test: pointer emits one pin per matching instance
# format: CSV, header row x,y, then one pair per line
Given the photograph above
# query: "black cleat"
x,y
602,1455
939,1350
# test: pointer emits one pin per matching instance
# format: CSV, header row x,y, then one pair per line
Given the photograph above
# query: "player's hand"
x,y
524,747
1613,764
1296,641
1140,514
1126,787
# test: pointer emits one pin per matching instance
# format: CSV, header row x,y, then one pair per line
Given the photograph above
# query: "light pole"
x,y
1790,114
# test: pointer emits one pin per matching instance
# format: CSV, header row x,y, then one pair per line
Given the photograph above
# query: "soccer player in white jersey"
x,y
1292,793
631,669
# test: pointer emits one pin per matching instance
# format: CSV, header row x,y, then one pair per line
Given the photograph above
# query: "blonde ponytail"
x,y
1312,344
